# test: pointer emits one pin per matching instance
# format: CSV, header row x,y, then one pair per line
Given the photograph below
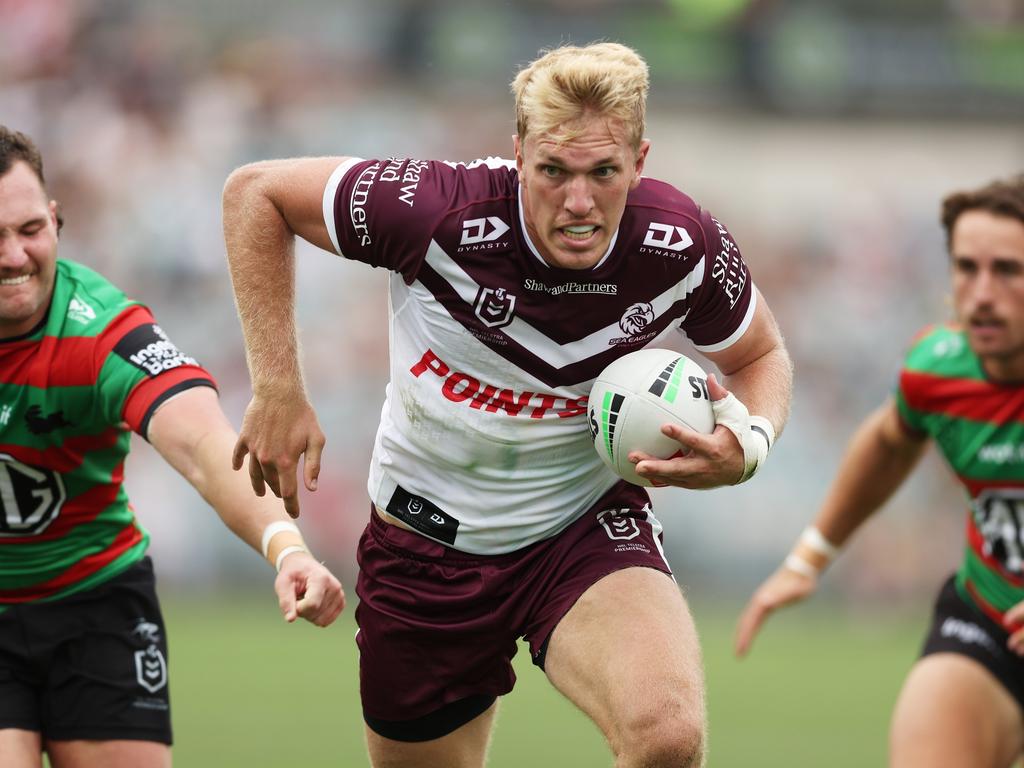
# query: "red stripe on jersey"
x,y
977,543
975,487
138,402
64,458
127,538
69,361
962,398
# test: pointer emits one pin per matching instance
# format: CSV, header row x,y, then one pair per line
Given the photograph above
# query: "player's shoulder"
x,y
661,216
86,302
653,193
941,349
482,179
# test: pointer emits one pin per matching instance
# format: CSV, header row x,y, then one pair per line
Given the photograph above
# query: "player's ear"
x,y
641,159
518,147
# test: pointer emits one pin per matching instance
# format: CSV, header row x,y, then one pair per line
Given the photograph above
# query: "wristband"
x,y
285,552
814,540
272,530
754,433
799,565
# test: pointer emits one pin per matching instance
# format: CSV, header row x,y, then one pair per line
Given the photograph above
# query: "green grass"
x,y
249,690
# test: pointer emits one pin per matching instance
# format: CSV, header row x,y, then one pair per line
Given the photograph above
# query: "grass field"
x,y
249,690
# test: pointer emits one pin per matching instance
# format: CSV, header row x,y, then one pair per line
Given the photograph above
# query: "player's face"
x,y
28,250
987,257
574,193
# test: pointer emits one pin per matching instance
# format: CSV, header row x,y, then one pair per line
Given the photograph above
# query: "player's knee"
x,y
664,739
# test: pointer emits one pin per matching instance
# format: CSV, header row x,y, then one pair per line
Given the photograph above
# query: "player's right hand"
x,y
782,588
306,588
276,432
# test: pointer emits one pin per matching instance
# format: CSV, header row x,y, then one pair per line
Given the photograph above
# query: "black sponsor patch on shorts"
x,y
423,515
148,349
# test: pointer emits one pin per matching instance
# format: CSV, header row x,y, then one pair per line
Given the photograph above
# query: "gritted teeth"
x,y
15,280
579,232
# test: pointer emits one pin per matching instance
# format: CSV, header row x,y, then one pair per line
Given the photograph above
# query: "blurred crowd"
x,y
809,129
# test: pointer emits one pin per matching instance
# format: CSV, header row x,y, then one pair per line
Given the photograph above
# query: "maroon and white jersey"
x,y
484,442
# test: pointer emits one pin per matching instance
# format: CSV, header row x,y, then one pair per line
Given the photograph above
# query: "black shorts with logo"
x,y
959,627
89,666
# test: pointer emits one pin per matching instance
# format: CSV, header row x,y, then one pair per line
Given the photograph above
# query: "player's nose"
x,y
579,200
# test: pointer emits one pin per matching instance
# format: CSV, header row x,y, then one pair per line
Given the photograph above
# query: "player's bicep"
x,y
760,337
180,424
294,187
895,433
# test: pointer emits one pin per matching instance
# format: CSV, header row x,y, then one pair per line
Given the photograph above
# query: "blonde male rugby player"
x,y
963,386
83,650
513,284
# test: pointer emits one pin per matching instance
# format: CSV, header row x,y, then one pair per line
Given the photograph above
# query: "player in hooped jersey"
x,y
961,385
512,285
83,650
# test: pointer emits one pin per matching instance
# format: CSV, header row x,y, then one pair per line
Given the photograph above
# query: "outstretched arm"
x,y
191,432
880,456
265,206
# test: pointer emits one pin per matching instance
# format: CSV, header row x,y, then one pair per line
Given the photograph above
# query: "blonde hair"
x,y
559,88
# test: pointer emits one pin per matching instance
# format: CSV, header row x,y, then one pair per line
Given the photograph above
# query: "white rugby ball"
x,y
634,396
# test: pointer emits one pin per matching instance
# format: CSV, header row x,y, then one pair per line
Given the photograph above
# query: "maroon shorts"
x,y
439,626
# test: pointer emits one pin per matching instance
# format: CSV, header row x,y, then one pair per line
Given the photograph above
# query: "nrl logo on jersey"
x,y
494,307
666,240
482,234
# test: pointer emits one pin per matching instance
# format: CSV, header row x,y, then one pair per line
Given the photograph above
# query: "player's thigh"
x,y
627,654
953,712
20,748
109,754
465,747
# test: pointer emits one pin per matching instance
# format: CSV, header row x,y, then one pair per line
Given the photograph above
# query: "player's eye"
x,y
551,171
604,172
1008,268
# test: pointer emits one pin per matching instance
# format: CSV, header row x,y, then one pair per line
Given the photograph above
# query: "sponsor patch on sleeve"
x,y
148,349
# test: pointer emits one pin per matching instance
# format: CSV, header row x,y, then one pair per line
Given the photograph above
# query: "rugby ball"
x,y
635,395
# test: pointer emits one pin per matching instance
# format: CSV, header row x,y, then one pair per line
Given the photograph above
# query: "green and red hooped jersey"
x,y
70,390
978,425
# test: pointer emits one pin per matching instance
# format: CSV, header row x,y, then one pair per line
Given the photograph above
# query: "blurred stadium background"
x,y
822,133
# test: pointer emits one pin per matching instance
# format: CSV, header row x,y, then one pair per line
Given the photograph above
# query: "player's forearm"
x,y
261,258
231,496
765,386
875,465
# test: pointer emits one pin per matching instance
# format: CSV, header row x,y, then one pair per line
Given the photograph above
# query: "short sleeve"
x,y
141,368
725,301
384,212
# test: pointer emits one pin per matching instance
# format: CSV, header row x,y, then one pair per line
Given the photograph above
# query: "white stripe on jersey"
x,y
735,335
524,334
330,193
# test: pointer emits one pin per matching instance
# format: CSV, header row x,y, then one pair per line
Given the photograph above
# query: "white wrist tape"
x,y
272,530
755,433
816,541
801,566
285,552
